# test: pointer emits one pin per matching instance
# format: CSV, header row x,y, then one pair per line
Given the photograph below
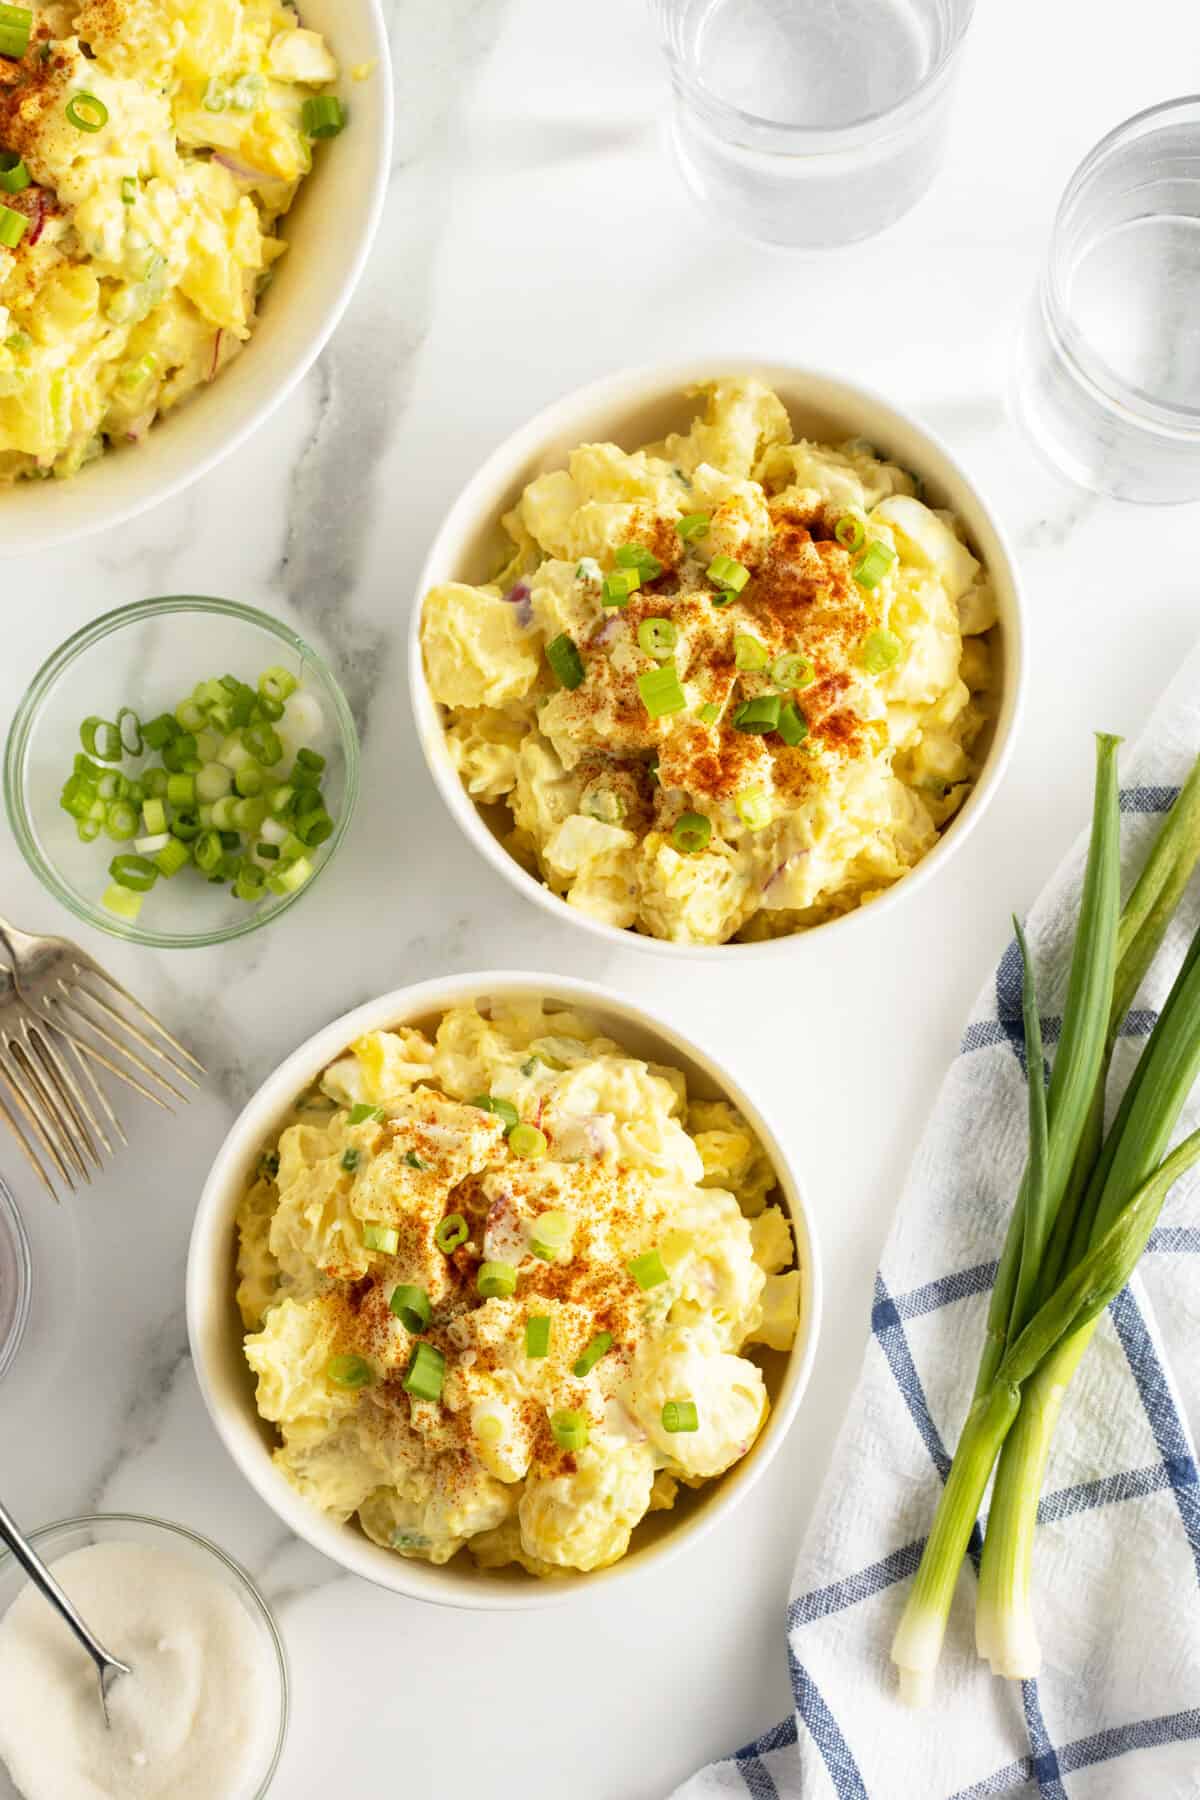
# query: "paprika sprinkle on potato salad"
x,y
504,1287
729,685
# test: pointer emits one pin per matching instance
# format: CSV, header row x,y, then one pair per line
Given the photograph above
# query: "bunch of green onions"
x,y
1086,1206
220,801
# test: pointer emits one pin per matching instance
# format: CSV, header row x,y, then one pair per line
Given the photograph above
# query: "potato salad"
x,y
148,149
729,685
501,1285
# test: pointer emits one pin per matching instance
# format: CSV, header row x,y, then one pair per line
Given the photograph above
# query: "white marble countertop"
x,y
536,237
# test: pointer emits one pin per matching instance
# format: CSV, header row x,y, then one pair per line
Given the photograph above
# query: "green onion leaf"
x,y
570,1430
451,1232
873,564
16,28
880,650
565,660
14,176
850,532
748,652
414,1161
503,1109
692,526
537,1335
527,1141
426,1372
599,1346
360,1112
792,726
349,1371
690,833
680,1415
101,739
550,1234
753,808
86,112
648,1270
758,716
135,872
350,1160
658,638
322,116
728,574
496,1280
412,1306
617,587
382,1237
792,671
636,556
662,692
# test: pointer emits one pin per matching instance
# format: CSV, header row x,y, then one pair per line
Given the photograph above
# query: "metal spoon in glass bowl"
x,y
108,1668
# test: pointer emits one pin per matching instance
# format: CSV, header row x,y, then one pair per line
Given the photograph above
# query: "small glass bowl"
x,y
55,1541
15,1279
150,656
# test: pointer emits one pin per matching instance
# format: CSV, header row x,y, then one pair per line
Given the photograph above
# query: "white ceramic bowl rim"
x,y
297,322
541,444
228,1396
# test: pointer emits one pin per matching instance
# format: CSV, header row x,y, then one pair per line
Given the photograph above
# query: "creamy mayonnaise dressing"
x,y
197,1717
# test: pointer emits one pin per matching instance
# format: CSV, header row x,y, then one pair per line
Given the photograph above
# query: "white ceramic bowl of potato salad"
x,y
188,190
499,1288
706,658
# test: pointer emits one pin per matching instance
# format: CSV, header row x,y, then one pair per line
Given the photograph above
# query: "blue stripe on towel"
x,y
1148,799
760,1783
1165,1423
1043,1767
823,1728
1084,1753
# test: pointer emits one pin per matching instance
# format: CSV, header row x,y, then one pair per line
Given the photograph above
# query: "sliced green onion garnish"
x,y
658,638
527,1141
412,1307
277,683
207,851
382,1237
414,1161
322,116
648,1270
264,744
349,1371
727,573
748,652
690,833
154,815
693,525
599,1346
186,825
880,650
290,877
121,821
86,112
360,1112
680,1415
753,808
850,532
570,1430
873,564
122,901
636,556
792,726
550,1233
129,190
503,1109
792,671
451,1232
537,1335
496,1280
617,587
172,857
87,830
709,713
160,731
662,692
14,176
250,882
101,739
350,1160
758,716
135,872
16,27
565,660
426,1372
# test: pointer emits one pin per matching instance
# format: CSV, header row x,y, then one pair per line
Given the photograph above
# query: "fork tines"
x,y
53,1055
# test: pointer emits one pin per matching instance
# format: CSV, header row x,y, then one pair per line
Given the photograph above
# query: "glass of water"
x,y
1107,378
810,122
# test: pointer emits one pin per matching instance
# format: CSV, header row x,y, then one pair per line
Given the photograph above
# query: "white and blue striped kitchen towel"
x,y
1116,1709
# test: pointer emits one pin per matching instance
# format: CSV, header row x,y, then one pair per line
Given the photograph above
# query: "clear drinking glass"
x,y
810,122
1107,379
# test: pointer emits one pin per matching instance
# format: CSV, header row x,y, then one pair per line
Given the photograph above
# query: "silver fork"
x,y
62,1019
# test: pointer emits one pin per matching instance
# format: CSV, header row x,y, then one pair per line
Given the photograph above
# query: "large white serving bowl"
x,y
639,406
215,1328
329,232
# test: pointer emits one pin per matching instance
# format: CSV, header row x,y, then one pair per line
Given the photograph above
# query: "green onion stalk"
x,y
1057,1124
1149,1112
1084,1211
